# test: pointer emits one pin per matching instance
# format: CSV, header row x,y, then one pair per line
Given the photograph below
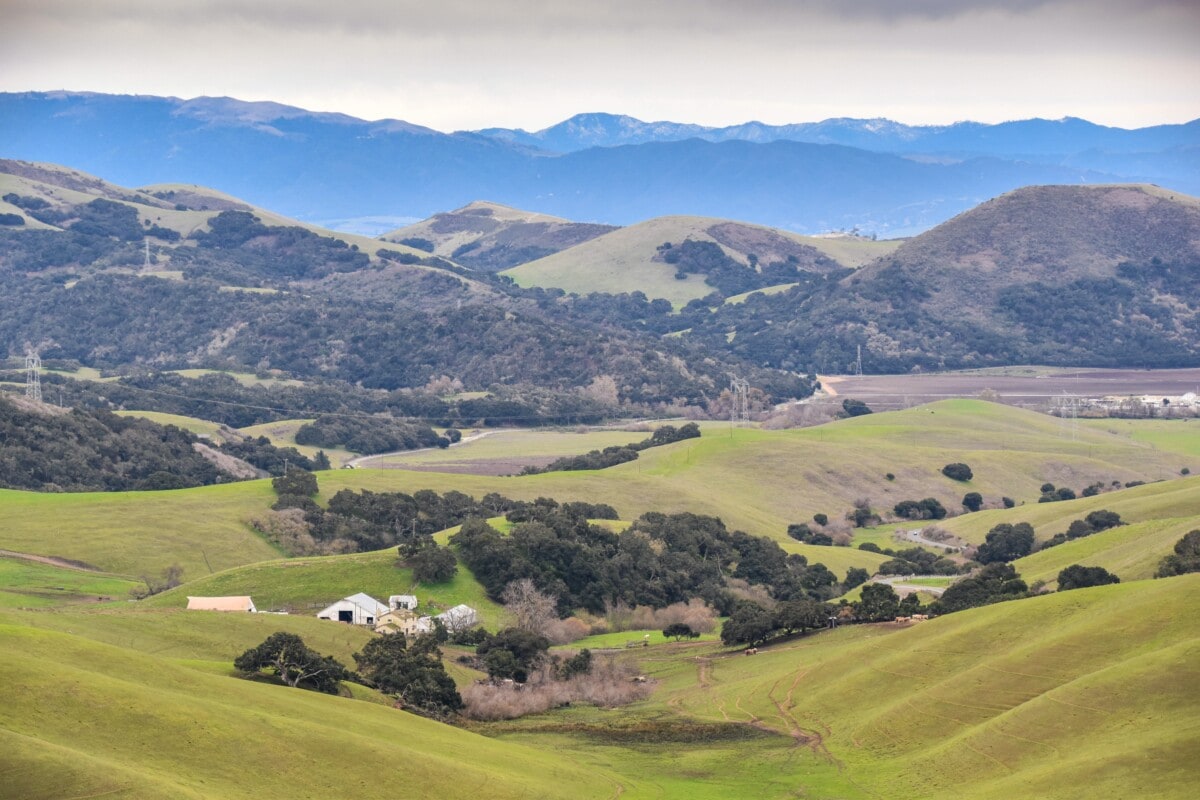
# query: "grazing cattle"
x,y
919,617
751,651
903,619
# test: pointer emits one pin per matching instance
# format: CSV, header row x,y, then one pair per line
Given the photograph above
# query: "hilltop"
x,y
491,237
1059,275
632,259
232,287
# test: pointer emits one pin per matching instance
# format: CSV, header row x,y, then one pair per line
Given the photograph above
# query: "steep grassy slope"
x,y
759,481
1131,552
94,719
135,533
1085,694
625,260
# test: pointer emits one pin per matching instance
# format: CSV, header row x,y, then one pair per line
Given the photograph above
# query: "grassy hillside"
x,y
201,427
282,433
306,585
755,480
136,533
93,719
1131,552
1084,694
155,204
624,260
30,584
1173,499
491,237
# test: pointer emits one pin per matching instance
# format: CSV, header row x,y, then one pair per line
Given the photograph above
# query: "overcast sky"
x,y
459,64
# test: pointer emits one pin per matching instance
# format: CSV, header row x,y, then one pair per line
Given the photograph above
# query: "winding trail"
x,y
78,566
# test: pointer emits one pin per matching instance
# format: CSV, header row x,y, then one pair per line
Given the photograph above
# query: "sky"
x,y
461,64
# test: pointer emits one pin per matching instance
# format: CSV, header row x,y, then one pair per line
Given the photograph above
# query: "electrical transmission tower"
x,y
858,363
740,412
146,265
33,375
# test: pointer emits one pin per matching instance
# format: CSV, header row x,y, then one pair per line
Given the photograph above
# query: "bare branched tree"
x,y
534,610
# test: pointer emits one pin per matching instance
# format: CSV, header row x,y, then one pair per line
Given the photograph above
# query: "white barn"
x,y
459,618
357,609
398,601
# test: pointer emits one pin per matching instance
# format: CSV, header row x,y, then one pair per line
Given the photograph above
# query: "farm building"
x,y
459,618
357,609
401,620
408,601
233,603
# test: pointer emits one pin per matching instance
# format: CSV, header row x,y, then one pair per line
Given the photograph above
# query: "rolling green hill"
x,y
627,259
96,719
755,480
304,586
1076,695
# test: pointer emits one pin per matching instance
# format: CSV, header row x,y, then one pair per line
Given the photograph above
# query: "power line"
x,y
33,375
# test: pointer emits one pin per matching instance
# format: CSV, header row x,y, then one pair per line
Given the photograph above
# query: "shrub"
x,y
958,472
1080,577
855,408
820,519
972,501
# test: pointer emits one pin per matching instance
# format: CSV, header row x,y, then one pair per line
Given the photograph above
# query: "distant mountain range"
x,y
874,175
1022,139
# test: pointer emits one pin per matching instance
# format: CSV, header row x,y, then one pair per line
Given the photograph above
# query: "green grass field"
x,y
1175,435
757,481
29,584
622,260
1131,552
306,585
282,433
201,427
95,719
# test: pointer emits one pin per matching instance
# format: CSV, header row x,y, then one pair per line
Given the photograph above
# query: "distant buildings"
x,y
398,616
232,603
357,609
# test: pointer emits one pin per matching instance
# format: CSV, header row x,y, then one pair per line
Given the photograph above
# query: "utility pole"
x,y
739,414
33,375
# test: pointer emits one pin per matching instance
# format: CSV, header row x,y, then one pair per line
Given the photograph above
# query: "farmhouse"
x,y
233,603
357,609
402,621
408,601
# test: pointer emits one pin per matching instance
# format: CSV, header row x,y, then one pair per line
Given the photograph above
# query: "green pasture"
x,y
1131,552
137,533
244,378
978,703
282,433
30,584
1171,499
306,585
1180,436
95,719
755,480
498,445
201,427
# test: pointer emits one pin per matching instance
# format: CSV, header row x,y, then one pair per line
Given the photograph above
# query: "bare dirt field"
x,y
1034,387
